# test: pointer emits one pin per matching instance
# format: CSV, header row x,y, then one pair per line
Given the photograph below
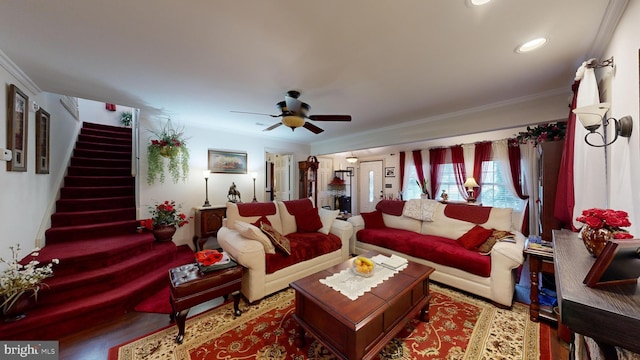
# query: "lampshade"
x,y
206,173
471,183
337,184
591,116
293,121
254,175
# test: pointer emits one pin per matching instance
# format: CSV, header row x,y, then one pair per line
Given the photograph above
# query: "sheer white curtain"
x,y
529,165
589,167
501,156
469,152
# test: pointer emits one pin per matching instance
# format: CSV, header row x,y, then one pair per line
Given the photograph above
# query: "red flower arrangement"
x,y
165,213
612,220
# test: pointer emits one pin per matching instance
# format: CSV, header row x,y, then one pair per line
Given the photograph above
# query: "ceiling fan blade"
x,y
314,129
330,117
246,112
272,126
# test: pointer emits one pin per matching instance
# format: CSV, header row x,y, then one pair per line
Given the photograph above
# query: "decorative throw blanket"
x,y
421,209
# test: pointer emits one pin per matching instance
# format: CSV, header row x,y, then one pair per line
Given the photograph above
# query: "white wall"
x,y
192,193
96,112
624,163
27,197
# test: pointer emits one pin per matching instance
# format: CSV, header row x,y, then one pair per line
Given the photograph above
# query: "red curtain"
x,y
417,161
565,200
482,155
516,175
436,158
402,160
457,158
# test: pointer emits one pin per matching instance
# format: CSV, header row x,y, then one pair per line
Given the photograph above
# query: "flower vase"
x,y
16,311
595,239
164,233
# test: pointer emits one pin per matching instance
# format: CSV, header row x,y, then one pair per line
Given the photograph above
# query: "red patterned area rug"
x,y
461,327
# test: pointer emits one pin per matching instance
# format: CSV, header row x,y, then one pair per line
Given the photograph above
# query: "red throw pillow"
x,y
263,219
373,220
474,237
308,221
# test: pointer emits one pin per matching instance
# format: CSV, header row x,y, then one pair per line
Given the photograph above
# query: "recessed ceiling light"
x,y
531,45
478,2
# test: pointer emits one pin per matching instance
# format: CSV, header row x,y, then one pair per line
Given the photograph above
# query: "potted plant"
x,y
125,118
424,189
165,219
19,281
542,133
169,143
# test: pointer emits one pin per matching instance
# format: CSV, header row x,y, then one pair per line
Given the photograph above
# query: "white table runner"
x,y
353,286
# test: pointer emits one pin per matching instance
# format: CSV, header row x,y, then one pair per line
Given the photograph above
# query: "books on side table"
x,y
536,243
393,262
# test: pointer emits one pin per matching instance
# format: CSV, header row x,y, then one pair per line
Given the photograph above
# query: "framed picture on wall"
x,y
17,121
226,162
43,120
389,172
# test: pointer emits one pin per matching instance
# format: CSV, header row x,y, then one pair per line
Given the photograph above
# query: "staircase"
x,y
106,267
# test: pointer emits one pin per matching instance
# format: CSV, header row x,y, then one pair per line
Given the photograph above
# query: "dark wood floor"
x,y
94,343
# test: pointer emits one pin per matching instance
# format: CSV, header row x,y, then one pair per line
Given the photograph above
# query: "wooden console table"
x,y
610,315
208,220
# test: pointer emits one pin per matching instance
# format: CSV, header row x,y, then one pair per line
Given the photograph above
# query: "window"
x,y
448,184
494,192
412,191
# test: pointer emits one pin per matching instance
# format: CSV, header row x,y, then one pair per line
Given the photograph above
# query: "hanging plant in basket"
x,y
171,145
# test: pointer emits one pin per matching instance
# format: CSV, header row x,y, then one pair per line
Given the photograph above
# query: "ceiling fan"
x,y
294,112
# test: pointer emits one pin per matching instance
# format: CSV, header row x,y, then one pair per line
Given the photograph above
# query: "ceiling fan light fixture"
x,y
292,121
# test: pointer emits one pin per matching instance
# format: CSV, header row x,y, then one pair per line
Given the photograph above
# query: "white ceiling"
x,y
383,62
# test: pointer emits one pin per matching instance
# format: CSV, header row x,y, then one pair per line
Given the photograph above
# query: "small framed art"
x,y
389,172
17,121
43,120
226,162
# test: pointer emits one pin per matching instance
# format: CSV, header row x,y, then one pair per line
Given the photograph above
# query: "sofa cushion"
x,y
278,240
250,231
401,222
327,217
304,246
308,221
464,218
474,237
250,212
373,220
288,210
436,249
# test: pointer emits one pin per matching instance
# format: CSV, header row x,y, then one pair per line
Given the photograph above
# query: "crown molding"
x,y
17,73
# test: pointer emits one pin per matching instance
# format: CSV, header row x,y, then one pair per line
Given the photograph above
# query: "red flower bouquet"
x,y
611,220
165,213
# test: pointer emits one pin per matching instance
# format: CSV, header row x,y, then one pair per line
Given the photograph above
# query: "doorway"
x,y
370,185
279,176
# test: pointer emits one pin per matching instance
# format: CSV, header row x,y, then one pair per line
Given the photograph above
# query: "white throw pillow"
x,y
253,232
327,217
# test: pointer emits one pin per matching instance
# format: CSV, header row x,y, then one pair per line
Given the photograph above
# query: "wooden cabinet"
x,y
208,220
549,167
308,181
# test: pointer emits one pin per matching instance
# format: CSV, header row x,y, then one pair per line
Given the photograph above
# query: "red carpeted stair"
x,y
106,267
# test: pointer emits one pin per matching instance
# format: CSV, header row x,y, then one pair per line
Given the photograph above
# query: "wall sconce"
x,y
593,116
471,184
254,175
351,159
205,174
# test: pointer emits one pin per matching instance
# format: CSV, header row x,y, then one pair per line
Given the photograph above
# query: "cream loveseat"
x,y
432,233
266,268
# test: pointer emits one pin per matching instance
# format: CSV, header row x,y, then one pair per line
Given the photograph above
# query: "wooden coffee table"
x,y
359,329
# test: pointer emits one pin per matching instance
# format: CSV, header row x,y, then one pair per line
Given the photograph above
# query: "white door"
x,y
370,185
282,181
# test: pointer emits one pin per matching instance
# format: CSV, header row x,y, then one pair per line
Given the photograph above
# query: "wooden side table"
x,y
539,261
208,220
